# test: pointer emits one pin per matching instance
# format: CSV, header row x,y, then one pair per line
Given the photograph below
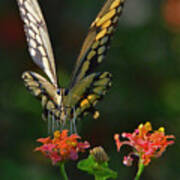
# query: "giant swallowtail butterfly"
x,y
86,88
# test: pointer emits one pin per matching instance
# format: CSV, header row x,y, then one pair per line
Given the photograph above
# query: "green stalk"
x,y
140,170
99,178
63,171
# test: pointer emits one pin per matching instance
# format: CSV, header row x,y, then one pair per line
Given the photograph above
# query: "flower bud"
x,y
99,154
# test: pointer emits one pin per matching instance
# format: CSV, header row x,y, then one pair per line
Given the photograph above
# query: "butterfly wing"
x,y
87,92
97,41
43,90
37,37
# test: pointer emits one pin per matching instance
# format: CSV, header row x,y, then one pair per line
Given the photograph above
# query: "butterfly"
x,y
86,88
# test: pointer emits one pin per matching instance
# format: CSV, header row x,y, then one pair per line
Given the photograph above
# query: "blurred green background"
x,y
144,59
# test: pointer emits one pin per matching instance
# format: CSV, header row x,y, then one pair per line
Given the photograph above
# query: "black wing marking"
x,y
97,41
37,37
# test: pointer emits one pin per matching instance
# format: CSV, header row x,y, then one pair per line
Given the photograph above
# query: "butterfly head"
x,y
62,91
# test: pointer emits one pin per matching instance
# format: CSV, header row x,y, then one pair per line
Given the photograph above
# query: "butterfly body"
x,y
86,88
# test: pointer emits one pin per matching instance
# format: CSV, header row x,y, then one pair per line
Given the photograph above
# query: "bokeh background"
x,y
145,61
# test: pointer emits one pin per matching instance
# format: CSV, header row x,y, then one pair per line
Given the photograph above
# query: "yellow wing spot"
x,y
110,29
115,4
85,66
84,103
100,58
106,17
95,45
104,74
37,92
115,19
101,50
96,114
106,24
90,97
91,54
104,40
101,34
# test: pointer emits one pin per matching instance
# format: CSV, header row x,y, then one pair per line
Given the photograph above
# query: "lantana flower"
x,y
147,144
62,147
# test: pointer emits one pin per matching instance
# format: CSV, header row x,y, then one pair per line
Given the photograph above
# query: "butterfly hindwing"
x,y
97,41
44,91
87,92
37,37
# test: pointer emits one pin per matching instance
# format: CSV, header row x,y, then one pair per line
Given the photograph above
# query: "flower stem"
x,y
99,178
140,170
63,171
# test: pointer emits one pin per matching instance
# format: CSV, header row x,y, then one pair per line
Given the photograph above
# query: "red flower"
x,y
147,144
62,147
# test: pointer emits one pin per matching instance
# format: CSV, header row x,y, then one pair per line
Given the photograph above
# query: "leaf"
x,y
100,171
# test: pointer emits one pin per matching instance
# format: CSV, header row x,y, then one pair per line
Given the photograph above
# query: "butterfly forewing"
x,y
37,37
97,41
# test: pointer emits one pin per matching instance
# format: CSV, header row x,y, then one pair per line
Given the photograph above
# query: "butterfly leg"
x,y
53,123
57,124
49,122
74,121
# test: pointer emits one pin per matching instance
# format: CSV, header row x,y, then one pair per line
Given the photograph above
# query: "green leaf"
x,y
100,171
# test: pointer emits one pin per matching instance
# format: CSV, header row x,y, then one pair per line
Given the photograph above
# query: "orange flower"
x,y
62,147
171,12
147,144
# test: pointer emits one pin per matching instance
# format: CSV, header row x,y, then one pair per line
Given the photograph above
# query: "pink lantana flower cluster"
x,y
147,144
62,147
